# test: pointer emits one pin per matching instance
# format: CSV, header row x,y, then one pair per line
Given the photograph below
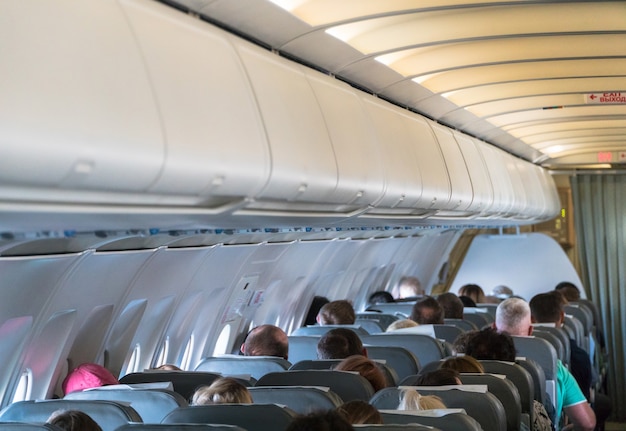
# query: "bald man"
x,y
266,340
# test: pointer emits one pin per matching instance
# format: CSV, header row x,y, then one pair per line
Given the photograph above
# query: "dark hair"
x,y
366,368
427,311
451,304
489,344
546,307
73,420
266,340
338,312
339,343
460,343
330,420
360,412
569,290
317,303
379,297
467,301
474,291
439,377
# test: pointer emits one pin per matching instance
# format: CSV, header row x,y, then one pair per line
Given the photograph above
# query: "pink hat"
x,y
87,376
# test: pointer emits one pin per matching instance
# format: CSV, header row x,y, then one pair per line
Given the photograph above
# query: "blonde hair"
x,y
222,391
359,412
401,324
412,400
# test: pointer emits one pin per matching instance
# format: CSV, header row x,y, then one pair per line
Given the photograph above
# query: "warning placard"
x,y
608,98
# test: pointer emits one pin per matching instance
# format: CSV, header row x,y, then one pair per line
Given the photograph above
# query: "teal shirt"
x,y
568,392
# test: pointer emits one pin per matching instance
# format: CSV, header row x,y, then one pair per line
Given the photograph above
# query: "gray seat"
x,y
480,320
448,333
555,341
108,414
383,319
302,347
425,348
28,426
321,330
505,391
179,427
349,386
302,400
184,382
251,417
402,309
151,404
560,334
482,406
537,375
400,359
463,324
328,364
544,354
371,326
256,366
451,421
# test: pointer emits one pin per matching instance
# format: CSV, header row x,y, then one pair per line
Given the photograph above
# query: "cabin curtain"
x,y
600,223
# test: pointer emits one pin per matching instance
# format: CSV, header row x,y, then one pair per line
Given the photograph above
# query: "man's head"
x,y
451,304
569,291
427,311
379,297
336,313
489,344
266,340
408,287
339,343
547,308
513,317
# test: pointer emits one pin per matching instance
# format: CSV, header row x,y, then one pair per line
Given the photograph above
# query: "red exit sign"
x,y
605,157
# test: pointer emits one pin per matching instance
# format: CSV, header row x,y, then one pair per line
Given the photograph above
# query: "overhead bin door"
x,y
215,139
551,192
76,108
481,183
303,163
462,192
503,197
521,203
359,158
535,199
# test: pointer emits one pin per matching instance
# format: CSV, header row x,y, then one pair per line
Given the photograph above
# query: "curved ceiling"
x,y
528,76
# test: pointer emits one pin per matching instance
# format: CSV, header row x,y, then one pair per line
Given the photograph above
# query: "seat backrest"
x,y
480,320
560,334
560,344
451,421
403,361
577,329
321,330
370,325
537,375
519,377
251,417
488,308
108,414
504,390
151,404
478,403
183,382
302,347
301,399
425,348
400,309
462,324
582,321
383,319
393,427
581,313
328,364
27,426
179,427
544,354
233,365
349,386
447,333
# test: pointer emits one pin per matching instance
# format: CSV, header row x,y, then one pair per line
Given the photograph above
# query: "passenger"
x,y
359,412
410,399
467,301
366,368
401,324
87,376
473,291
168,367
569,291
460,344
513,317
427,311
451,304
330,420
73,420
266,340
408,287
317,303
463,364
439,377
548,308
339,343
502,292
379,297
338,312
224,390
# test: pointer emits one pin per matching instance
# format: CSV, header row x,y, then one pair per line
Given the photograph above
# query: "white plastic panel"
x,y
303,163
535,199
403,183
521,199
462,193
481,183
215,139
503,198
361,175
553,201
76,108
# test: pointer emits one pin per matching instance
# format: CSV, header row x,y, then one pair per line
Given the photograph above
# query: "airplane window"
x,y
184,364
24,386
133,362
222,341
162,355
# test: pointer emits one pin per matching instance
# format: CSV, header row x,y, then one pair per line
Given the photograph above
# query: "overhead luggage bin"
x,y
77,110
479,175
503,193
535,199
216,145
521,205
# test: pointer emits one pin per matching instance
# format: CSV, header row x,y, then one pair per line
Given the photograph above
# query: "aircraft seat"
x,y
555,341
371,326
401,360
251,417
384,319
302,347
544,354
394,427
179,427
27,426
233,365
328,364
463,324
301,399
424,347
445,419
349,386
400,309
151,404
108,414
448,333
319,330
